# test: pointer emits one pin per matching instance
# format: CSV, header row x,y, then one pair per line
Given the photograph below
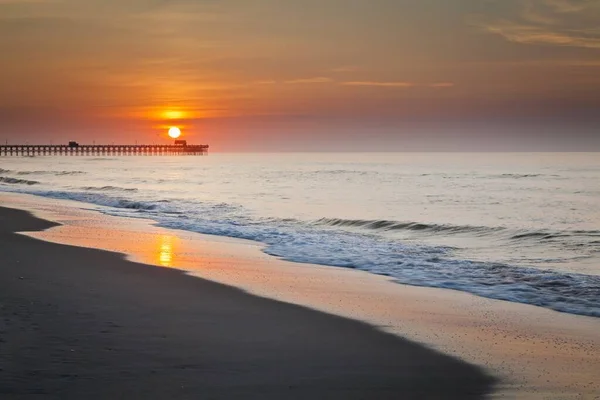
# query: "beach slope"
x,y
85,323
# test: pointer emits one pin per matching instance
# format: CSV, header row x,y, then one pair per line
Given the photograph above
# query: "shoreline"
x,y
514,341
80,322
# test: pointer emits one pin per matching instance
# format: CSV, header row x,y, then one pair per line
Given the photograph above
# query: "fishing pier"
x,y
180,148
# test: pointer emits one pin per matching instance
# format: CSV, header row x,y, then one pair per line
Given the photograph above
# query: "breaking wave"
x,y
538,235
386,225
40,172
99,199
15,181
521,176
447,229
56,173
344,172
518,176
108,189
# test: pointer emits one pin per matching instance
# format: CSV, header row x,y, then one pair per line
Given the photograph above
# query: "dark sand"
x,y
82,323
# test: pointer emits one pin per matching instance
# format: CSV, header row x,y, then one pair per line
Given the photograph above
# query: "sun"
x,y
174,132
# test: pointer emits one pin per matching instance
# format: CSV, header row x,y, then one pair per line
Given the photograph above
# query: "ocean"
x,y
521,227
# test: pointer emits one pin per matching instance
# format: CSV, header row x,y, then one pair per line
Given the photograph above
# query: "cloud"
x,y
528,34
567,23
440,85
531,14
394,84
568,6
309,80
29,1
268,82
380,84
346,68
436,85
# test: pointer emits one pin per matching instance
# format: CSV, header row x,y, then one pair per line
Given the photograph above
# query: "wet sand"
x,y
536,353
85,323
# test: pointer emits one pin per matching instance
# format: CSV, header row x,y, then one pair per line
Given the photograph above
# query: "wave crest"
x,y
57,173
447,229
523,176
15,181
387,225
134,205
108,189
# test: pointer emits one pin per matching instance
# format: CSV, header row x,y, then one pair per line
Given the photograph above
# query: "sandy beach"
x,y
529,351
84,323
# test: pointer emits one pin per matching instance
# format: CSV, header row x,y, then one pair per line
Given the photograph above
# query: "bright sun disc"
x,y
174,132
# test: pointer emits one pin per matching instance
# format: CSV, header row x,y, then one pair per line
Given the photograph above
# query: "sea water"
x,y
521,227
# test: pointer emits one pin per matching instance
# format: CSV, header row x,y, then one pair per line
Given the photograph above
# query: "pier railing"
x,y
103,150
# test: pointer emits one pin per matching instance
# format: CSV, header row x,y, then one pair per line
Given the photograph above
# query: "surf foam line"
x,y
305,242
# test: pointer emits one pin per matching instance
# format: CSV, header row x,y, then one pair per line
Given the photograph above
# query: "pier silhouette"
x,y
181,148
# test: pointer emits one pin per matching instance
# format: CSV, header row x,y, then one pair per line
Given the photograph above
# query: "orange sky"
x,y
302,75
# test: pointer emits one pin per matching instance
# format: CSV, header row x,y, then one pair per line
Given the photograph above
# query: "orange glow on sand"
x,y
165,251
174,132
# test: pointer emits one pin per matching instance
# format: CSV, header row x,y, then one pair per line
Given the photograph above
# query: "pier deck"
x,y
103,150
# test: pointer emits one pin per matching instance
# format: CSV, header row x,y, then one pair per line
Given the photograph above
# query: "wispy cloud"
x,y
531,14
570,23
346,68
400,85
569,6
319,79
441,85
528,34
380,84
29,1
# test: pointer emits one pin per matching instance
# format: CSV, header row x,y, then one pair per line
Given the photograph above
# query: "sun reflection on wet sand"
x,y
165,250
